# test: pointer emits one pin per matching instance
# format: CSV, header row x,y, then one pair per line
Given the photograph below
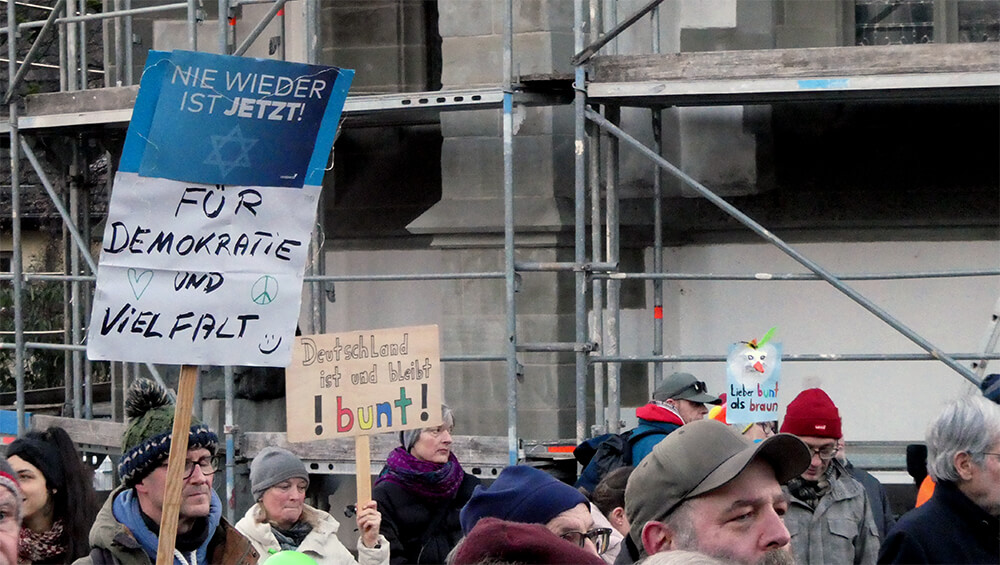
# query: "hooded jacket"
x,y
321,544
112,542
657,418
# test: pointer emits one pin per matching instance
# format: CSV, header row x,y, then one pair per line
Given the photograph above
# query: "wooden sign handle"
x,y
363,466
175,465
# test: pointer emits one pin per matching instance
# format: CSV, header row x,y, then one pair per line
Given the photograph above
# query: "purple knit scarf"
x,y
425,478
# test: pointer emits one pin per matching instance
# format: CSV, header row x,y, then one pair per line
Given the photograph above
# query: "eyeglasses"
x,y
208,465
600,536
826,452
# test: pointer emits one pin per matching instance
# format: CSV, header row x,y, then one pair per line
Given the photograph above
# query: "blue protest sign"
x,y
219,119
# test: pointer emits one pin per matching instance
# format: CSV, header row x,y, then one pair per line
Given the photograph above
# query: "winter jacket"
x,y
113,543
653,417
840,530
407,516
322,543
879,500
948,528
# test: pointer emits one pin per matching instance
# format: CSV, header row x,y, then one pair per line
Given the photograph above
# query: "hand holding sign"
x,y
359,383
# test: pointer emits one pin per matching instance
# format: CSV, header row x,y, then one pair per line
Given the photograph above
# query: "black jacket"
x,y
407,518
948,528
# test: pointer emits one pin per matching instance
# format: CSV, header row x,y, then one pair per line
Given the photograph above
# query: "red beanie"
x,y
812,413
494,540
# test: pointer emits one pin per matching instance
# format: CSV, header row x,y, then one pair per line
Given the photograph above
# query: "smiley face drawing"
x,y
270,344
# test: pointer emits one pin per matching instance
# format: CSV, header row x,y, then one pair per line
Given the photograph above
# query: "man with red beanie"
x,y
829,516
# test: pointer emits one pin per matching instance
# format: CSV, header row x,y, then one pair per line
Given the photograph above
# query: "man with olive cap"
x,y
680,399
706,489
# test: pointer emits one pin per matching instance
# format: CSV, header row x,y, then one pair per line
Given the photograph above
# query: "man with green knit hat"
x,y
127,528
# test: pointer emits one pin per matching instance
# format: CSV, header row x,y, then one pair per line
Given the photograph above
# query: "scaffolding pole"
x,y
510,278
580,226
16,264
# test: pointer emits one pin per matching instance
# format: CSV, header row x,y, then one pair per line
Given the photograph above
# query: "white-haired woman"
x,y
281,520
961,522
421,492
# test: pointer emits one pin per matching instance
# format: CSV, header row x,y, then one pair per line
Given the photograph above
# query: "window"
x,y
897,22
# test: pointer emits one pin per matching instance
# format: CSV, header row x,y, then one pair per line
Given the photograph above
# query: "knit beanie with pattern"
x,y
147,438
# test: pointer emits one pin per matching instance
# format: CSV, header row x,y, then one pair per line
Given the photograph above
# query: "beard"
x,y
686,539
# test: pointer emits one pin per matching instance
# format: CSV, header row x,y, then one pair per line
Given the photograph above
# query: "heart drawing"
x,y
139,281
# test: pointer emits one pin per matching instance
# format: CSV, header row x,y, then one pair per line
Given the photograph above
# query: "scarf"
x,y
128,513
437,481
291,539
810,492
41,547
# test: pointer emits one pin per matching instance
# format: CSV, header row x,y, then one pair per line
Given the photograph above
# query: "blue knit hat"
x,y
991,387
520,494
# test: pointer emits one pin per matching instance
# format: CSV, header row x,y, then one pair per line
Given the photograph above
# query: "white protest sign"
x,y
174,278
212,210
363,382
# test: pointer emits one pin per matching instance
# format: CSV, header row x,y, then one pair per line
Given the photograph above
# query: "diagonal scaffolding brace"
x,y
33,51
787,249
57,202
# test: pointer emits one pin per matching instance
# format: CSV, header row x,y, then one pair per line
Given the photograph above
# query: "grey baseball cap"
x,y
684,386
700,457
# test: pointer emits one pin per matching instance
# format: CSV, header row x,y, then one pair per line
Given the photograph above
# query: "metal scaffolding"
x,y
597,136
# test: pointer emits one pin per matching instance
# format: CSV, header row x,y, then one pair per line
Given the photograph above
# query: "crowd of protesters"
x,y
697,491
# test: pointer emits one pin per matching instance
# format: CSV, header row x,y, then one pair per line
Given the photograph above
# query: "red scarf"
x,y
41,547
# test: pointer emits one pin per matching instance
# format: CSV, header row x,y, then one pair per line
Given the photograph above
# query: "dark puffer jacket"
x,y
407,517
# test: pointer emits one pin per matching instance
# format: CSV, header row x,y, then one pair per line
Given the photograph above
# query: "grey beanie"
x,y
273,465
407,438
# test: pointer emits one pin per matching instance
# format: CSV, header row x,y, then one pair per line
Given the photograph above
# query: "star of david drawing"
x,y
219,142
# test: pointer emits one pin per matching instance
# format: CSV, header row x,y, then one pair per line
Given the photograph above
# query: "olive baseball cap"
x,y
684,386
697,458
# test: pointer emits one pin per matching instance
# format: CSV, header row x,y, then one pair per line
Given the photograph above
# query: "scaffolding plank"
x,y
472,451
113,106
101,433
968,70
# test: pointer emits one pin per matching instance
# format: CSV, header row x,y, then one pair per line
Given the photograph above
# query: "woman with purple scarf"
x,y
420,494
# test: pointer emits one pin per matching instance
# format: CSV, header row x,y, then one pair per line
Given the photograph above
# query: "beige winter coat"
x,y
322,543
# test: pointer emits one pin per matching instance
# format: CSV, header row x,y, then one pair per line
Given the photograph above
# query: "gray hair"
x,y
409,437
970,424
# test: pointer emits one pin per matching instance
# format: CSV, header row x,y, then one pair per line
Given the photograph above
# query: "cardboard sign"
x,y
212,210
363,382
752,373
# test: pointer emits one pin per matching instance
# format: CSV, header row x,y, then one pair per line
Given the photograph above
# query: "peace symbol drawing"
x,y
265,290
